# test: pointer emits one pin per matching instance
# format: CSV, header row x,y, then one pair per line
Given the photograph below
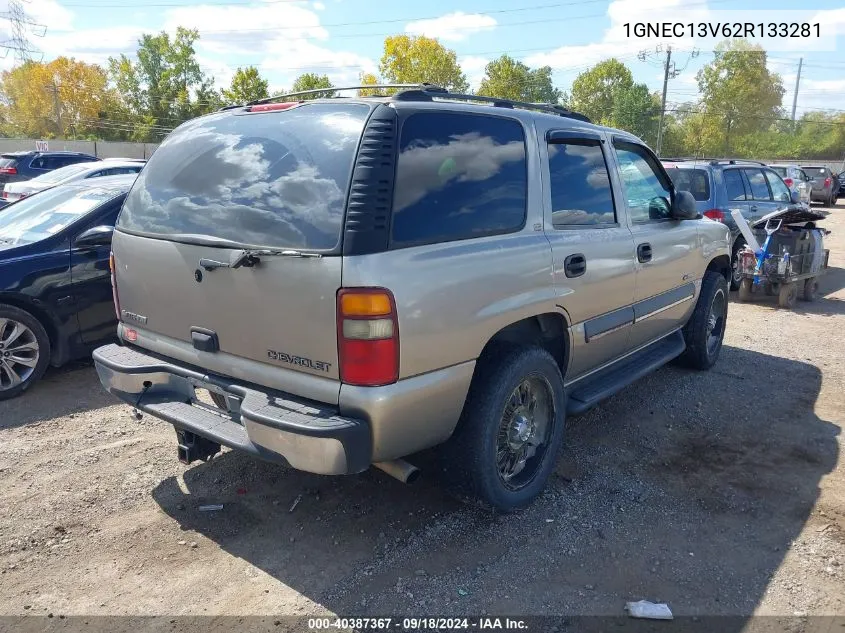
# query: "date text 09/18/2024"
x,y
417,624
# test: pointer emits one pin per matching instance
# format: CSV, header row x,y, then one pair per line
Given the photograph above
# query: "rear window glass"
x,y
62,173
815,172
780,171
458,176
7,162
46,213
275,180
580,184
696,181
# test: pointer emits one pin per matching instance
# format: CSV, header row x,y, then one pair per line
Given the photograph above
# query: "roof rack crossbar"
x,y
549,108
318,91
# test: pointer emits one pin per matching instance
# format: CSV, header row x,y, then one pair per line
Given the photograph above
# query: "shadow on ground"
x,y
73,388
687,488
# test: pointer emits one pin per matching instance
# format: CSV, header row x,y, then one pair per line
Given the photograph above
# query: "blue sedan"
x,y
55,285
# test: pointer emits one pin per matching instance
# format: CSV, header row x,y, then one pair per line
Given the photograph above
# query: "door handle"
x,y
575,265
753,207
644,252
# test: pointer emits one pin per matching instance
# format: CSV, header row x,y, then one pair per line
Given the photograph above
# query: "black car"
x,y
17,166
55,284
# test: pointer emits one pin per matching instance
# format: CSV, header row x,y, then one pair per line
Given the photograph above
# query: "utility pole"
x,y
797,83
666,70
57,107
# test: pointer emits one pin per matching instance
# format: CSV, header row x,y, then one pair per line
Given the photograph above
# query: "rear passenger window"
x,y
759,188
458,176
779,188
580,184
734,186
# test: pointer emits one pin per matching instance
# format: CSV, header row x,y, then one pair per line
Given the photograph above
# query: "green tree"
x,y
312,81
420,59
62,98
636,110
739,95
510,79
367,79
247,85
595,91
164,85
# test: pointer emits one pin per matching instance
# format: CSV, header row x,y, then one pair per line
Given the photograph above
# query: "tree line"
x,y
142,97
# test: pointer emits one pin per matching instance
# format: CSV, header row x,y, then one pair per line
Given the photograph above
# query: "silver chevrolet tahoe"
x,y
356,279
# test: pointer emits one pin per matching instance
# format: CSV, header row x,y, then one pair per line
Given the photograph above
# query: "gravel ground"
x,y
719,493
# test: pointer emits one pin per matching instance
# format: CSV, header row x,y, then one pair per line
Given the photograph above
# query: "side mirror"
x,y
95,236
794,197
683,206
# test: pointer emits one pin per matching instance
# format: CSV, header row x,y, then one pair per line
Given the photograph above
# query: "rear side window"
x,y
458,176
759,188
277,180
734,185
780,171
779,188
580,184
696,181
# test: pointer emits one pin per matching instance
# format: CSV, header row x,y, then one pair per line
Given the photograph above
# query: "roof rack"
x,y
319,91
713,161
429,92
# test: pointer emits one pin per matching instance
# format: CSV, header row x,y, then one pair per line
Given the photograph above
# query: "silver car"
x,y
355,280
14,191
796,179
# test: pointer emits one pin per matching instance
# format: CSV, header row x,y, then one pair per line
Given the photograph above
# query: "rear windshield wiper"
x,y
249,257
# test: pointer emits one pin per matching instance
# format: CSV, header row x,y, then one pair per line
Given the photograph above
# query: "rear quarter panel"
x,y
452,297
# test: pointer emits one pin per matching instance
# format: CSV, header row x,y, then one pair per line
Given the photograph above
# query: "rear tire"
x,y
24,351
705,331
735,277
746,289
787,295
515,409
811,287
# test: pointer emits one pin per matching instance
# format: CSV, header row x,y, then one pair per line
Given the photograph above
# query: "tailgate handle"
x,y
204,340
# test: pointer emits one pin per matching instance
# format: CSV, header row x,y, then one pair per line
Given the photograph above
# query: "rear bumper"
x,y
271,426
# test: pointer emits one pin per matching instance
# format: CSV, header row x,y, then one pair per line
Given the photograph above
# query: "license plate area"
x,y
202,397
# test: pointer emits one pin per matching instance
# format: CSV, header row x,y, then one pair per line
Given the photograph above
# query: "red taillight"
x,y
715,214
270,107
8,171
5,195
114,286
827,182
367,337
788,182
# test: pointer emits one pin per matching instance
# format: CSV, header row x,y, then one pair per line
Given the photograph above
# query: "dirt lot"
x,y
719,493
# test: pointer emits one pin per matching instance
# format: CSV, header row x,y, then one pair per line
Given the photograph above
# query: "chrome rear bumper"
x,y
273,426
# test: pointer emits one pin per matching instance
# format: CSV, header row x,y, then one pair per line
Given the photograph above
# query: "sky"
x,y
341,38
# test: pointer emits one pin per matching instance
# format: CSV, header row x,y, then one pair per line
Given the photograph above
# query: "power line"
x,y
20,25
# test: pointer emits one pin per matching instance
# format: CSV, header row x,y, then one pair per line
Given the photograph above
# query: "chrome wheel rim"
x,y
19,353
716,322
524,431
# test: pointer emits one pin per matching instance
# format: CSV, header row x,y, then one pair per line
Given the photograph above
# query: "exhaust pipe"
x,y
400,469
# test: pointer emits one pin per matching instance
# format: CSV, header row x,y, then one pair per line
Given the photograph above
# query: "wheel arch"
x,y
721,264
549,330
58,350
